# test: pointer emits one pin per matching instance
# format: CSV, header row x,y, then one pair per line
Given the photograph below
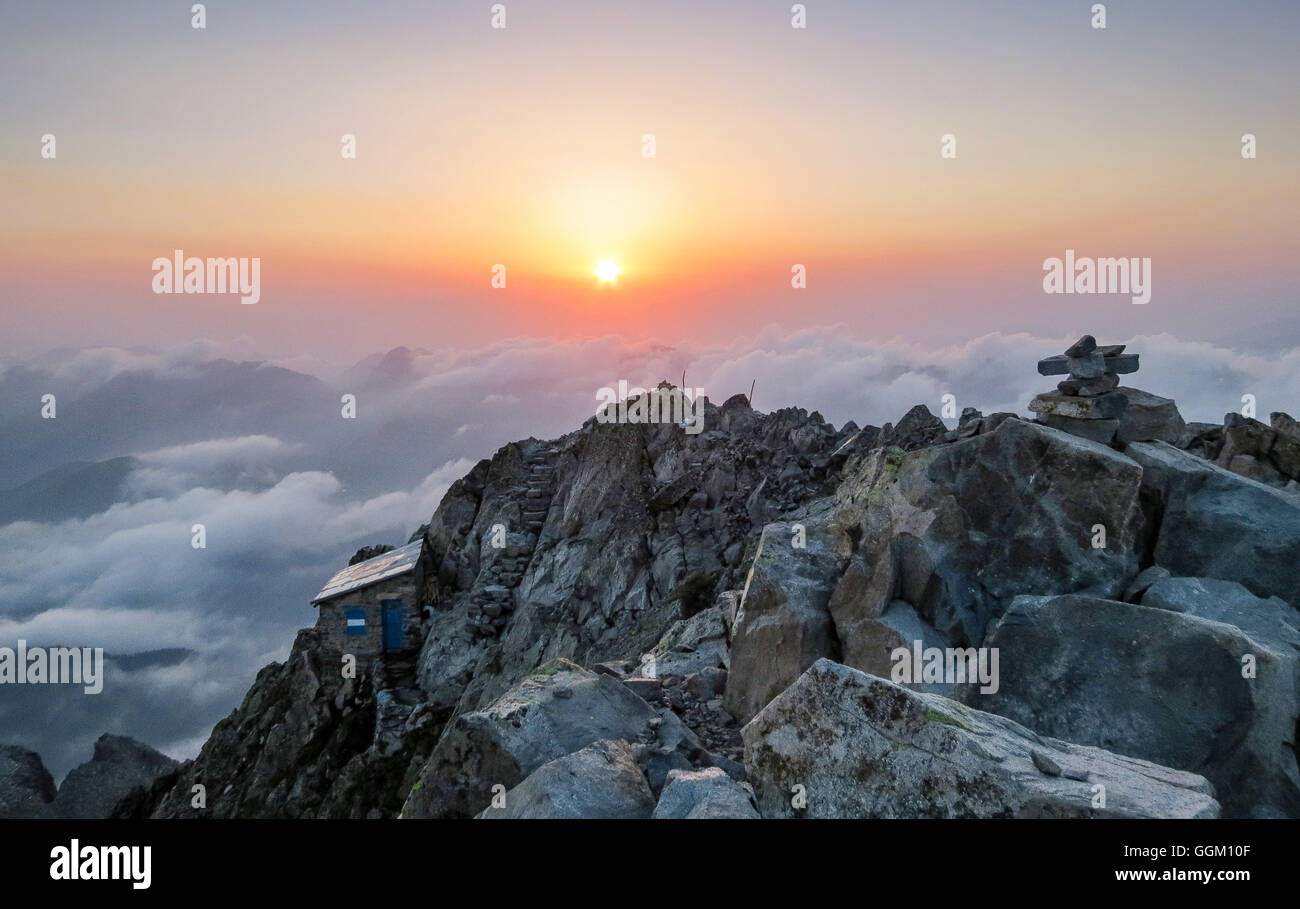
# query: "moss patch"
x,y
934,716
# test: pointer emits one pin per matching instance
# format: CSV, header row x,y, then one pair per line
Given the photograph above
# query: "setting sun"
x,y
606,269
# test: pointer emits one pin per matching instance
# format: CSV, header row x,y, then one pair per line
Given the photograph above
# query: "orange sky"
x,y
524,148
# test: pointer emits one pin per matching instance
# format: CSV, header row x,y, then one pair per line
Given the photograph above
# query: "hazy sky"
x,y
523,146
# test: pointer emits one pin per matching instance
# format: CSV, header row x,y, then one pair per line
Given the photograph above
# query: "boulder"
x,y
1214,523
957,531
783,625
1285,453
1142,583
1149,417
26,787
1204,439
843,743
706,684
1160,685
705,795
119,764
1284,425
601,781
1244,436
1269,620
1259,468
690,645
647,689
874,641
558,710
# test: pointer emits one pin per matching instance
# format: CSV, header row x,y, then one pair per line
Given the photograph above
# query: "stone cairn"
x,y
1088,401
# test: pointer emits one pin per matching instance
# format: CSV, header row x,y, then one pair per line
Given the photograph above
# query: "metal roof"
x,y
372,571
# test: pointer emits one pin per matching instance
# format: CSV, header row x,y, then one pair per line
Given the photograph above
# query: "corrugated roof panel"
x,y
372,571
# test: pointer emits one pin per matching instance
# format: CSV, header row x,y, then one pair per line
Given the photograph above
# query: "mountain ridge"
x,y
664,565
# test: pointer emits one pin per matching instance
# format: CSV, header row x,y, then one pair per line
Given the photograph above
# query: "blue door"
x,y
393,614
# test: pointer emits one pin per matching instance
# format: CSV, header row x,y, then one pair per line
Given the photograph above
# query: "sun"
x,y
607,270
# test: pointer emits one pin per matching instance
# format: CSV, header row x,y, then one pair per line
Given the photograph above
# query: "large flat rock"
x,y
860,746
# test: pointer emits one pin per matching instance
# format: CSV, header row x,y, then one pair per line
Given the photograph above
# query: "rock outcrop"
x,y
303,745
614,605
120,770
26,787
119,765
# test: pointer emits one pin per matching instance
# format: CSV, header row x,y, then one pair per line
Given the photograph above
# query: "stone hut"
x,y
376,607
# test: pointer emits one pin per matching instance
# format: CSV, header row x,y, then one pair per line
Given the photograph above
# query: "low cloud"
x,y
128,580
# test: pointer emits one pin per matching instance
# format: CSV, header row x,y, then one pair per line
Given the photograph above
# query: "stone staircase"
x,y
493,596
539,490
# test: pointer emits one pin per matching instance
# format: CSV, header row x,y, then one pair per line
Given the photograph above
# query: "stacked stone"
x,y
1088,401
490,609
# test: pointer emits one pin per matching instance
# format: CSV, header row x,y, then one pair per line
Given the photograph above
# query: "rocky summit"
x,y
1091,613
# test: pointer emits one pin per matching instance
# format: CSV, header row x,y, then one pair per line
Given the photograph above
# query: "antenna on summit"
x,y
751,392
